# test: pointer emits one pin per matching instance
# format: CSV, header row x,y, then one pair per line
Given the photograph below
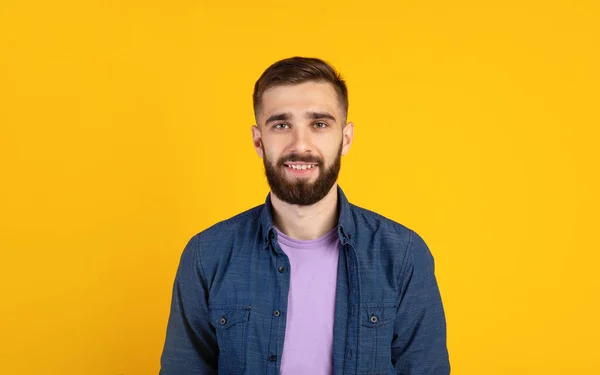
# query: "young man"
x,y
306,284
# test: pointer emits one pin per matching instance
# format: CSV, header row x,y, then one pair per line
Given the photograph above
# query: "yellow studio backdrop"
x,y
125,130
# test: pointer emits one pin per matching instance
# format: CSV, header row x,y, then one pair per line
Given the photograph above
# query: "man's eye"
x,y
281,126
320,125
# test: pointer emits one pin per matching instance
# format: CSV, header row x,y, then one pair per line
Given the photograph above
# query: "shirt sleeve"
x,y
190,344
419,344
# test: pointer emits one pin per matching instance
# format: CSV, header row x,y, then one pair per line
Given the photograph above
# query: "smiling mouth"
x,y
299,166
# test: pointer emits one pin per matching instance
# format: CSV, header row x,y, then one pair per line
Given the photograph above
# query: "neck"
x,y
306,222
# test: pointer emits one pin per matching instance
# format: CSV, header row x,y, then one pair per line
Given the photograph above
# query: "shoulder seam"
x,y
406,259
198,260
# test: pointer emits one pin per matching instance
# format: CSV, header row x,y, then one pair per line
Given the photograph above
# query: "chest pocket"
x,y
231,323
375,339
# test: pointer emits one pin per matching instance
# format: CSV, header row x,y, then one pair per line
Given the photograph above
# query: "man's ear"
x,y
257,141
347,137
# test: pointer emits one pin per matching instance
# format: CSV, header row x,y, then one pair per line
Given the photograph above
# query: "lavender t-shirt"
x,y
308,344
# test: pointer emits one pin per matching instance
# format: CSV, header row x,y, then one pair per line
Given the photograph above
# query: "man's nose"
x,y
301,141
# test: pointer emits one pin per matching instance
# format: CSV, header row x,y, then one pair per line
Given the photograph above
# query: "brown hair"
x,y
295,70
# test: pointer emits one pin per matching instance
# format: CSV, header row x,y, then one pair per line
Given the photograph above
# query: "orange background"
x,y
125,130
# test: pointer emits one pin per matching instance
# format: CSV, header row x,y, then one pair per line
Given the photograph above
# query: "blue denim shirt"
x,y
233,276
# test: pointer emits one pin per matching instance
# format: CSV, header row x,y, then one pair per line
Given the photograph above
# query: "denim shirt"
x,y
228,311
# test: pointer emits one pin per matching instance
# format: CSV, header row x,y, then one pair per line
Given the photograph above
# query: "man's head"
x,y
300,106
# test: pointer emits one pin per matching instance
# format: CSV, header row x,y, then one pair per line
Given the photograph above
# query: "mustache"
x,y
299,158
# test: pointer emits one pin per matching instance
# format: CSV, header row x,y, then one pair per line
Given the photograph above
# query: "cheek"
x,y
331,150
270,154
273,149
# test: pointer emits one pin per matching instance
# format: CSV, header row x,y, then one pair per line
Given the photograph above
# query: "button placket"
x,y
283,268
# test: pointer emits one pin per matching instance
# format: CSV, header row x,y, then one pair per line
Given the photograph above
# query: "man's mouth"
x,y
300,166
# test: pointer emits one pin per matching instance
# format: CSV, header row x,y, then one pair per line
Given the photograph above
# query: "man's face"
x,y
301,137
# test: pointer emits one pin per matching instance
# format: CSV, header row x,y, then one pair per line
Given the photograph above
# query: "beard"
x,y
301,192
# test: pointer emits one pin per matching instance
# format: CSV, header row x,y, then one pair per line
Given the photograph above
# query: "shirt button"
x,y
273,358
276,312
223,321
374,319
281,269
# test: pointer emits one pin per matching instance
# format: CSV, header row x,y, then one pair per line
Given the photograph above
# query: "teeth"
x,y
301,167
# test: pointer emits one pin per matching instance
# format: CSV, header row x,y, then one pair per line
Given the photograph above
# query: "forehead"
x,y
300,97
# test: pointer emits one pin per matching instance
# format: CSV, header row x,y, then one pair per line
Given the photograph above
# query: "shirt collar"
x,y
345,226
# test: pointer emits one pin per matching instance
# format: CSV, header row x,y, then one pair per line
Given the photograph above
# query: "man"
x,y
306,283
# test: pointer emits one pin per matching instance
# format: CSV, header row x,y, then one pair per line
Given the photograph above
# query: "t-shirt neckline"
x,y
326,239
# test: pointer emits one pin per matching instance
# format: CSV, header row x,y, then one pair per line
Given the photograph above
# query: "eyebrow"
x,y
311,115
279,117
320,115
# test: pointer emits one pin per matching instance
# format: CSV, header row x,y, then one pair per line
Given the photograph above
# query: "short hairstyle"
x,y
296,70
